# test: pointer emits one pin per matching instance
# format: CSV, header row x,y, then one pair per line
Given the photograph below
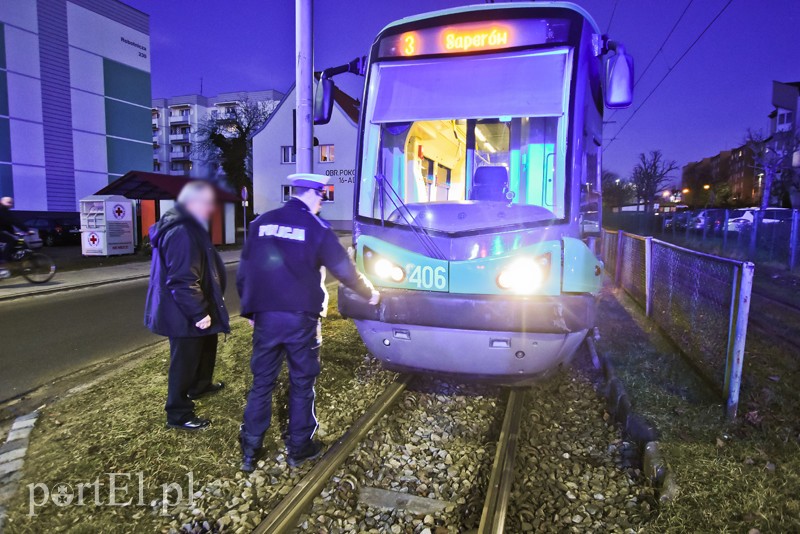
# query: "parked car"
x,y
741,219
711,218
677,217
777,215
57,231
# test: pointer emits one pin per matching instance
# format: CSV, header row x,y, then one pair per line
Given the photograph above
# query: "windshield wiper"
x,y
402,210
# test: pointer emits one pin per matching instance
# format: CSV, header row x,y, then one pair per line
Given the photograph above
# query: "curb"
x,y
12,459
51,290
635,427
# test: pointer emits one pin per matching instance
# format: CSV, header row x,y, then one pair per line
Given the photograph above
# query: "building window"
x,y
286,193
326,154
156,166
288,154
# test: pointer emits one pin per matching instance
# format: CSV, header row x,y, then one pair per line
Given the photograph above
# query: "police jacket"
x,y
282,263
187,278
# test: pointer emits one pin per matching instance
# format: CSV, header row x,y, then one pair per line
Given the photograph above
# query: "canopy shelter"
x,y
140,185
155,193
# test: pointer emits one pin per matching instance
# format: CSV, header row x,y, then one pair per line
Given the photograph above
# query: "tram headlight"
x,y
387,270
524,275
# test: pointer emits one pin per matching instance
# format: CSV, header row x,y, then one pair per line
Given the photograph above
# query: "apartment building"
x,y
745,189
74,99
175,122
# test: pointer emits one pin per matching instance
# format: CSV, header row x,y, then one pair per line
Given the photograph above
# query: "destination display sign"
x,y
474,37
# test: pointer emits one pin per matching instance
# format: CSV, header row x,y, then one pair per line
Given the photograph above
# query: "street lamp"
x,y
685,191
706,187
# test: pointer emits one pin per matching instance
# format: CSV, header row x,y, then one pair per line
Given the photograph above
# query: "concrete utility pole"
x,y
304,78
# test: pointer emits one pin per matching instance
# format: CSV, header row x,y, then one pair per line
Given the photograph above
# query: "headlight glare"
x,y
387,270
524,275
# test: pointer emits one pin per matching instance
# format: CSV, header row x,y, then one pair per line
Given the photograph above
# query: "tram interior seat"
x,y
489,183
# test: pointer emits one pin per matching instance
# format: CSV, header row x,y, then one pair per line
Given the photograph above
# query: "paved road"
x,y
42,338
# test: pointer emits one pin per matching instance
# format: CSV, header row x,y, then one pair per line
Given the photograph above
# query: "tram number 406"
x,y
427,277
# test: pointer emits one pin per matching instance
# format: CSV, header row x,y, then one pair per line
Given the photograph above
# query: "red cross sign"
x,y
93,239
119,211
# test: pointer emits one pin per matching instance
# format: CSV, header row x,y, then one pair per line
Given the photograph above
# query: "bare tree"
x,y
773,156
224,140
616,191
650,175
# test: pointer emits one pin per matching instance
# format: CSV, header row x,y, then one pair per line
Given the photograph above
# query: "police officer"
x,y
281,281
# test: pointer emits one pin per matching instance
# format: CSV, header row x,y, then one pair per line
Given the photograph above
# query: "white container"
x,y
107,225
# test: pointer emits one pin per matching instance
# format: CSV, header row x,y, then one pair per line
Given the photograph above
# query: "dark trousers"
x,y
191,368
295,336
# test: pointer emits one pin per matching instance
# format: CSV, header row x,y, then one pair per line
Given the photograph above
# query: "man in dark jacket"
x,y
185,301
281,281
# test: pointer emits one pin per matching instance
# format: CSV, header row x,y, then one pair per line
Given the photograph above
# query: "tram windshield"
x,y
463,144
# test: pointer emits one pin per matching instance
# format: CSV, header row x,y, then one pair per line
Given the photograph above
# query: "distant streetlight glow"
x,y
685,191
666,194
706,187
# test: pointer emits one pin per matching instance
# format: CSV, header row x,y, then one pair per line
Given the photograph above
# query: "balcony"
x,y
179,119
179,155
179,138
180,172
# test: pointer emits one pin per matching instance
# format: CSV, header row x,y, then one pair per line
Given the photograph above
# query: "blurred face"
x,y
7,202
313,199
203,204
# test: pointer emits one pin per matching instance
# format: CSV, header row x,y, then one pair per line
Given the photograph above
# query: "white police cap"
x,y
309,180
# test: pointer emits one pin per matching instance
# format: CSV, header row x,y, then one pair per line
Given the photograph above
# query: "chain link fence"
x,y
699,300
770,236
692,296
609,251
633,271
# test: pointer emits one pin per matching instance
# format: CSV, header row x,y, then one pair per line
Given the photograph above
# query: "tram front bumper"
x,y
562,314
498,338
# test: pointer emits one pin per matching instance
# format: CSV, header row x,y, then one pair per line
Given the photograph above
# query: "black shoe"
x,y
193,423
210,389
312,451
248,464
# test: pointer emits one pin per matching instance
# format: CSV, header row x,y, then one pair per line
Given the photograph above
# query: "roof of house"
x,y
142,185
350,106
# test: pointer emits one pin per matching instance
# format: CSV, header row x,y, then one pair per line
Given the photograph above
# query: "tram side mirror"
x,y
619,78
323,101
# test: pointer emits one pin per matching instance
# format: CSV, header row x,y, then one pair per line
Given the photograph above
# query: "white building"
x,y
175,121
74,99
334,156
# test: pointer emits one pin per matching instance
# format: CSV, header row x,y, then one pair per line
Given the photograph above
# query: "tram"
x,y
478,193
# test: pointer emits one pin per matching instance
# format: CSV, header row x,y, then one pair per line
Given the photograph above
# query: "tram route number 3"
x,y
427,277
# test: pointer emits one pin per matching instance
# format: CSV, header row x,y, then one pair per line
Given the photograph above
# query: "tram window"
x,y
437,161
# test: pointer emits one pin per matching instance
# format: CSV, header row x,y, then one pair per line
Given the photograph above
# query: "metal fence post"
x,y
648,276
725,230
742,286
688,222
618,266
754,234
793,240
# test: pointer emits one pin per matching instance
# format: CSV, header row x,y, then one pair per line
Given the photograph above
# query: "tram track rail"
x,y
498,493
285,515
288,512
770,323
